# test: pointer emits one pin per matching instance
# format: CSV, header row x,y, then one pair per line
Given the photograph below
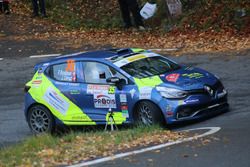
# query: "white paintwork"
x,y
48,55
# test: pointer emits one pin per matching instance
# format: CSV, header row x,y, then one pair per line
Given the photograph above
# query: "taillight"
x,y
26,88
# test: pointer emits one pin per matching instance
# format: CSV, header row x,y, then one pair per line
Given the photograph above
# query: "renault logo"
x,y
209,90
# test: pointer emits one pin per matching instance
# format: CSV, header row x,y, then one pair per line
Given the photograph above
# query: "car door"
x,y
99,97
66,78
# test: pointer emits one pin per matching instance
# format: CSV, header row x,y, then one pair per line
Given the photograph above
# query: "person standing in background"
x,y
41,4
132,6
1,6
4,7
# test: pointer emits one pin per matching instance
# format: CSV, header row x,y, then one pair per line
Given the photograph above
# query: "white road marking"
x,y
170,49
1,59
73,54
48,55
212,130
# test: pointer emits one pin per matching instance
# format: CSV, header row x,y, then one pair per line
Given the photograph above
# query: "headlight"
x,y
171,93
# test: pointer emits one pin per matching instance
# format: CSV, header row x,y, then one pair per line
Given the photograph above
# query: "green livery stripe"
x,y
150,82
137,50
78,123
118,117
43,91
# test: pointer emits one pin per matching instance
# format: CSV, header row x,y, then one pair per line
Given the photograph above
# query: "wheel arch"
x,y
36,104
141,100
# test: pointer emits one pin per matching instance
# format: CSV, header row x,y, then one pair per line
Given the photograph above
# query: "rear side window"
x,y
65,72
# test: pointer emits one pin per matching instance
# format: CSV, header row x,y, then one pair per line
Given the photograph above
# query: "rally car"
x,y
136,85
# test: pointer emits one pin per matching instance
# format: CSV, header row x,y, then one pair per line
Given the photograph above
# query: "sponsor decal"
x,y
39,77
125,61
125,111
67,76
104,101
136,57
67,83
192,101
132,92
79,117
193,75
172,77
55,101
145,93
75,92
97,89
123,98
37,82
124,104
124,107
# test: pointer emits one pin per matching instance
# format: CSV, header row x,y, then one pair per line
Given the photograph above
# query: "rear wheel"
x,y
40,120
147,113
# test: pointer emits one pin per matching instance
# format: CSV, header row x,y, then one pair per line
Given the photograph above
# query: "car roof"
x,y
102,54
111,54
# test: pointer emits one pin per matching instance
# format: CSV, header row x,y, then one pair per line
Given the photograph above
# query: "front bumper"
x,y
177,111
190,113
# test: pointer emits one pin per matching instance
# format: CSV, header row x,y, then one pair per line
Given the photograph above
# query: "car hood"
x,y
188,78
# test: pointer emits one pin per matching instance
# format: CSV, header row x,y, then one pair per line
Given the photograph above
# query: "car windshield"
x,y
149,67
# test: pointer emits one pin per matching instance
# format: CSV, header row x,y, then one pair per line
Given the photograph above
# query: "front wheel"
x,y
40,120
147,113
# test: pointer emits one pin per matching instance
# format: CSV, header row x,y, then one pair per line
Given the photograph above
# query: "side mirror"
x,y
113,80
117,81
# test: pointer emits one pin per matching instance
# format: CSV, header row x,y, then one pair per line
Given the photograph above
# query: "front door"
x,y
100,97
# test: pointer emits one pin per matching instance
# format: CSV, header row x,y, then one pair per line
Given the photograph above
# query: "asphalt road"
x,y
229,147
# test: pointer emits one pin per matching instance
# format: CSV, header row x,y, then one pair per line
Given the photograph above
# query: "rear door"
x,y
65,77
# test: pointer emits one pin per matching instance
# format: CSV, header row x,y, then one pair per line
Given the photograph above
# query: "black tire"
x,y
40,120
147,113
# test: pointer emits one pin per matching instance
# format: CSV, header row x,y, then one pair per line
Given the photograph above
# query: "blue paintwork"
x,y
85,101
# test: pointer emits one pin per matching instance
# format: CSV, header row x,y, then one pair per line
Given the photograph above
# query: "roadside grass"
x,y
75,146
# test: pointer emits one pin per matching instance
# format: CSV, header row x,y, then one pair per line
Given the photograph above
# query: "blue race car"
x,y
136,85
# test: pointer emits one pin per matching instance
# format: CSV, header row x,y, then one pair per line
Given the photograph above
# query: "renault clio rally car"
x,y
136,85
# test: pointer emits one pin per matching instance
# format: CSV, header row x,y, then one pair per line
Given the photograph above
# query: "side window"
x,y
65,72
95,72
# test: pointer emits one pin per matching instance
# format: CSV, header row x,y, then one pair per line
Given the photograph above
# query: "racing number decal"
x,y
111,90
